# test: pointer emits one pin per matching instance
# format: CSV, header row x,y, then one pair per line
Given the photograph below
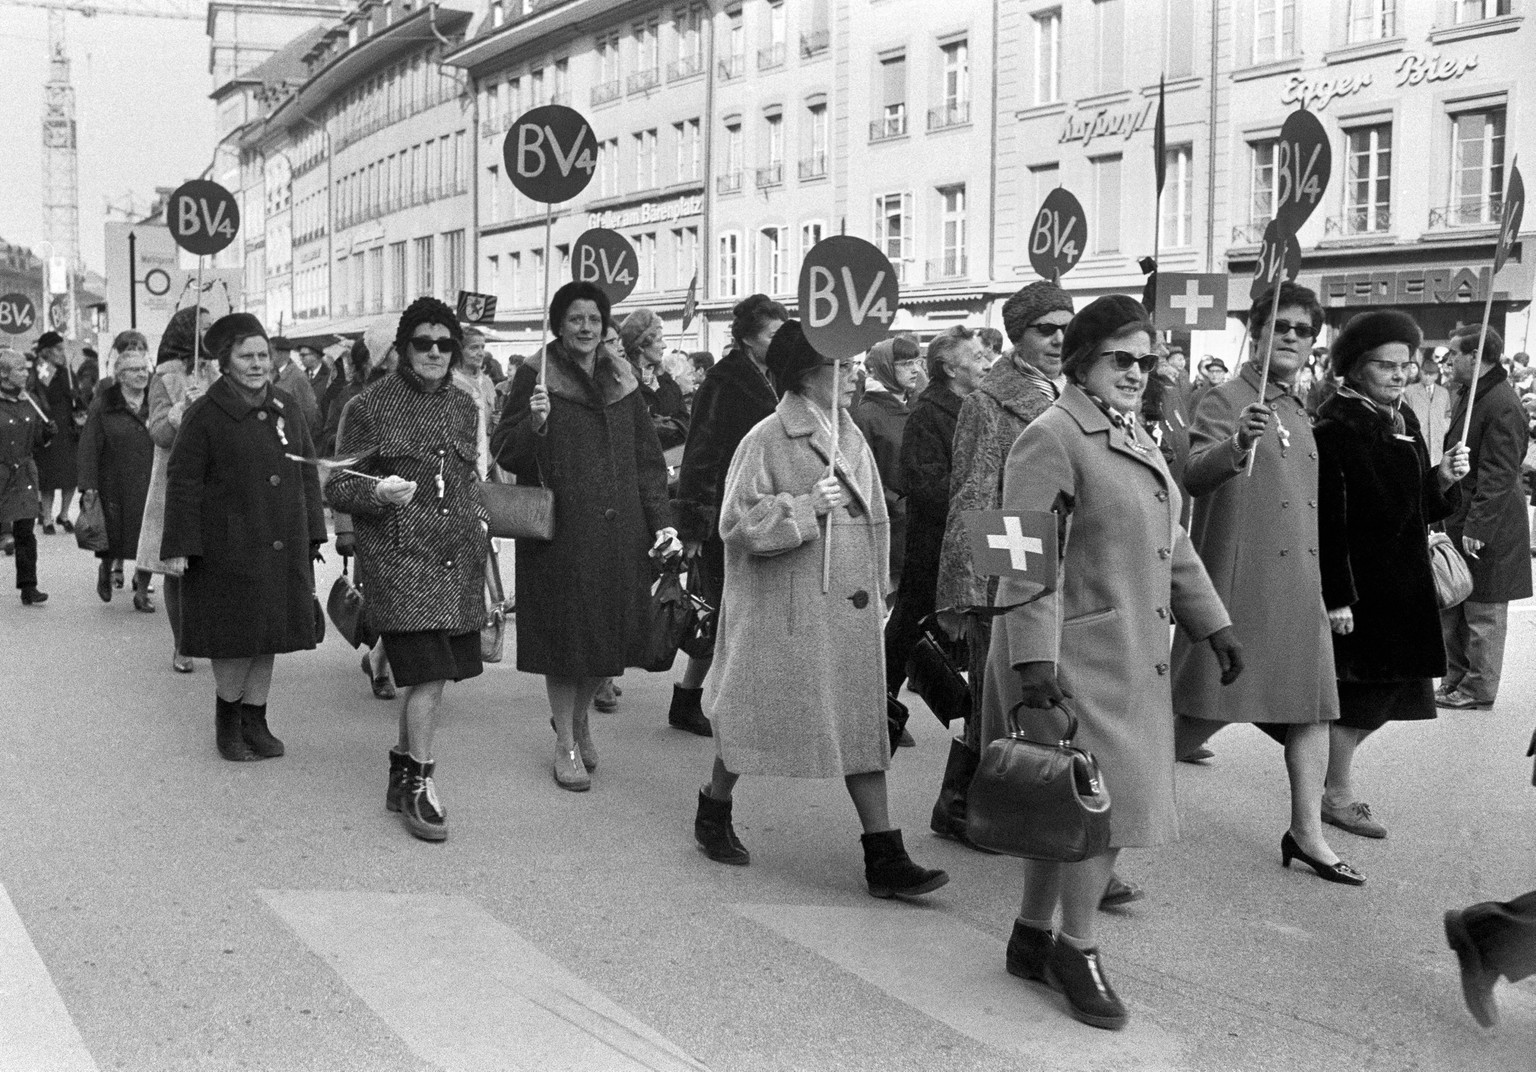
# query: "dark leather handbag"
x,y
345,608
700,641
1039,801
519,511
672,619
933,674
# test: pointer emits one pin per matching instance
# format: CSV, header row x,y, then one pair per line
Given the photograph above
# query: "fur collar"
x,y
610,381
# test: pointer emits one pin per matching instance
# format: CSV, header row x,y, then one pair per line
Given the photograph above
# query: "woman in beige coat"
x,y
1101,638
799,675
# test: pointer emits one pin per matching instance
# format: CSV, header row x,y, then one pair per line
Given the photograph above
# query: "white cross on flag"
x,y
1190,302
1013,543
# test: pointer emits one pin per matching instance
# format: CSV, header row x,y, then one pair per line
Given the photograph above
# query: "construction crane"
x,y
61,165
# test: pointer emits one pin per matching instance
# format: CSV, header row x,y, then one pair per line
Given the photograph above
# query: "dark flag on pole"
x,y
1509,219
691,302
1160,141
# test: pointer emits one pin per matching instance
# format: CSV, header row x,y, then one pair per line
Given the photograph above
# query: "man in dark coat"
x,y
23,430
1490,527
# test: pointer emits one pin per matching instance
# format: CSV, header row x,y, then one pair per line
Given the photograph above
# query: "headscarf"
x,y
882,359
177,342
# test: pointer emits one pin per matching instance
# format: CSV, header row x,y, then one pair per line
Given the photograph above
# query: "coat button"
x,y
261,415
1313,454
1162,496
1163,552
274,480
448,563
1284,551
1312,503
1162,668
610,514
859,599
1285,504
277,545
1162,612
1311,550
445,511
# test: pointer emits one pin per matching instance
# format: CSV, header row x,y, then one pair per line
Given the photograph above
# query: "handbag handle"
x,y
1066,739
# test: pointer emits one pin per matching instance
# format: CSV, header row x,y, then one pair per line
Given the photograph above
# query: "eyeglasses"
x,y
1303,330
1393,366
1045,331
424,345
1124,359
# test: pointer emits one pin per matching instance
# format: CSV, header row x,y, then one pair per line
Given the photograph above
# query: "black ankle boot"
x,y
229,731
1081,978
890,872
713,831
687,711
253,723
423,813
948,820
1029,952
396,791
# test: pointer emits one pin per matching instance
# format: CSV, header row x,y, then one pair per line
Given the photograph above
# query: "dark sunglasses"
x,y
1303,330
1045,331
1124,359
444,346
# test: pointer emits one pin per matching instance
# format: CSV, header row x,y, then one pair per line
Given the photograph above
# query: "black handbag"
x,y
933,675
493,634
519,511
700,641
1039,801
345,607
672,619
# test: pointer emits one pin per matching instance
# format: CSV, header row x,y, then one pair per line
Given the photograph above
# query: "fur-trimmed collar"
x,y
610,380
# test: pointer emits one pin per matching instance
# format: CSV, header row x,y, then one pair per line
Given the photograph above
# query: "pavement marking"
x,y
953,973
36,1030
476,997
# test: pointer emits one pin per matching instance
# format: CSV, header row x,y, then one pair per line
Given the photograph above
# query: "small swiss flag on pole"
x,y
1013,543
1191,302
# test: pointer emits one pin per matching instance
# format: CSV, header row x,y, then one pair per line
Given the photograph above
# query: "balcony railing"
x,y
949,266
684,67
772,175
1251,233
1468,212
814,166
891,125
815,42
1363,220
955,114
733,67
642,81
604,92
728,183
770,57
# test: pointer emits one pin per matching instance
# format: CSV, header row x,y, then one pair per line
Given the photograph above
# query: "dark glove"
x,y
1229,653
346,544
1038,686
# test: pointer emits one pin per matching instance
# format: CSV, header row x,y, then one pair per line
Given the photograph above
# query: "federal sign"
x,y
1058,236
1279,259
848,296
1510,217
17,314
550,153
1303,161
605,258
1191,301
476,308
1013,543
204,217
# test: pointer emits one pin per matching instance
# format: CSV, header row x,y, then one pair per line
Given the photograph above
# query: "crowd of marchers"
x,y
1232,550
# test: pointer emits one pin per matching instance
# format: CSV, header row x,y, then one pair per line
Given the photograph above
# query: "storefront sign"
x,y
1104,123
1413,69
649,212
1315,93
1412,286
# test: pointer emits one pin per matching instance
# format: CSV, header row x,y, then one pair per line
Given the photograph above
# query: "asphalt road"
x,y
162,909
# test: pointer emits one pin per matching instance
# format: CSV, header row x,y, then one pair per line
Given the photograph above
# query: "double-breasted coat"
x,y
246,519
116,458
1127,569
23,432
168,404
57,462
926,461
1378,496
1492,503
421,566
798,682
583,598
1257,536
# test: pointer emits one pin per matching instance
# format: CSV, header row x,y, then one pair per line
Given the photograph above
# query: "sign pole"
x,y
197,330
1274,311
1509,224
1477,367
837,406
554,329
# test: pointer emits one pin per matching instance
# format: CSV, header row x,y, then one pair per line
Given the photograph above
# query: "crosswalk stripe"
x,y
464,991
953,973
36,1031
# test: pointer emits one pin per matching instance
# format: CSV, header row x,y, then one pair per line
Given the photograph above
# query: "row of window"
x,y
504,101
663,261
373,280
425,172
400,91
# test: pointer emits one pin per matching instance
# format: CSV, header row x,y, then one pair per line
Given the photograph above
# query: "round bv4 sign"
x,y
848,296
550,153
17,314
1058,236
204,217
606,258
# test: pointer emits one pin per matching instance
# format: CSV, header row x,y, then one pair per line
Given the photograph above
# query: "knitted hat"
x,y
427,310
1101,319
791,357
1029,304
1366,332
227,332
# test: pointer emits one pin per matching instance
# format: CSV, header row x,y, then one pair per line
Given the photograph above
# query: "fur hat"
x,y
227,332
47,339
1030,303
1101,319
1366,332
791,356
426,310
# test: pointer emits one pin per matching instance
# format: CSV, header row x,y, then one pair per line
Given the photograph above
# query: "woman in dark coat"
x,y
737,393
57,462
1377,497
583,598
243,523
116,459
881,413
419,527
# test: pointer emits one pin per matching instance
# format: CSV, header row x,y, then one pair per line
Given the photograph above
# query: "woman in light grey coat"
x,y
799,675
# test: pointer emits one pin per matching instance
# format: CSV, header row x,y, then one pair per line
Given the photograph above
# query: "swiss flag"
x,y
1013,543
1191,302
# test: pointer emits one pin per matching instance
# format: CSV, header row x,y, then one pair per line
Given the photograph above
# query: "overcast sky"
x,y
141,104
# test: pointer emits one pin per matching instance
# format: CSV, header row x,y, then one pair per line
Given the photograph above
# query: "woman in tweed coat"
x,y
421,540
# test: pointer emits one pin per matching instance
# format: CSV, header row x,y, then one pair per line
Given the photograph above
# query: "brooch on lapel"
x,y
280,427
